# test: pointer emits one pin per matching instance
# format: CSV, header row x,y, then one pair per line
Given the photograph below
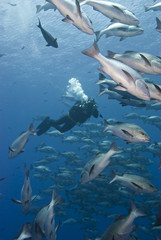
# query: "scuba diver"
x,y
78,114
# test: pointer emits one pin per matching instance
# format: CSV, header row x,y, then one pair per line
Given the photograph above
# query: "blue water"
x,y
33,79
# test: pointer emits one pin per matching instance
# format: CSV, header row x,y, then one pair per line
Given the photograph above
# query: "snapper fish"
x,y
155,7
73,14
123,225
155,91
48,37
44,223
127,131
96,165
116,12
25,232
142,62
26,193
120,30
136,183
18,145
127,78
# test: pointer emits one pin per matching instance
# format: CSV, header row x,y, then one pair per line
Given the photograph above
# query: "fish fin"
x,y
106,125
97,33
157,87
57,199
137,212
128,51
22,151
114,20
38,7
31,129
127,133
39,24
67,19
122,38
110,54
93,51
120,88
101,76
130,78
57,227
102,90
118,9
114,148
47,45
114,176
145,59
11,149
158,27
91,170
146,8
26,171
16,201
78,8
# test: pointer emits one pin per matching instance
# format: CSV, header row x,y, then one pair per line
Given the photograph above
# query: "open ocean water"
x,y
33,82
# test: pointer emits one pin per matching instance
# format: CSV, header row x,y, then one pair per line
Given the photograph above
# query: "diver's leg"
x,y
67,126
44,126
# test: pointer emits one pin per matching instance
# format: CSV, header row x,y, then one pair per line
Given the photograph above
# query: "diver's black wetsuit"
x,y
79,113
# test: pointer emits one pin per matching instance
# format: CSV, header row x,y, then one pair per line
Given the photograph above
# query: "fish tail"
x,y
106,126
26,170
101,76
56,199
136,212
114,177
114,149
102,90
158,27
38,7
146,8
39,25
93,51
31,129
97,33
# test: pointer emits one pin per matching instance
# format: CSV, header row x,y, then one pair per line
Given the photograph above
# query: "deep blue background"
x,y
33,80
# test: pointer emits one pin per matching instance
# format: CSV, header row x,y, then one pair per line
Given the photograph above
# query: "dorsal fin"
x,y
78,8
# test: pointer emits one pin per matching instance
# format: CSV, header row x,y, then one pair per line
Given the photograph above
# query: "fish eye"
x,y
147,87
142,133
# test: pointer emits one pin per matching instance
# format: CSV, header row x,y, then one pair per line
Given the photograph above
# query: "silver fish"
x,y
136,183
116,12
26,193
155,91
120,30
44,220
142,62
73,14
155,7
123,225
18,145
127,131
96,165
25,232
127,78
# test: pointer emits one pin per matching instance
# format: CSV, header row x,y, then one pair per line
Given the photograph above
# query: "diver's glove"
x,y
44,126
